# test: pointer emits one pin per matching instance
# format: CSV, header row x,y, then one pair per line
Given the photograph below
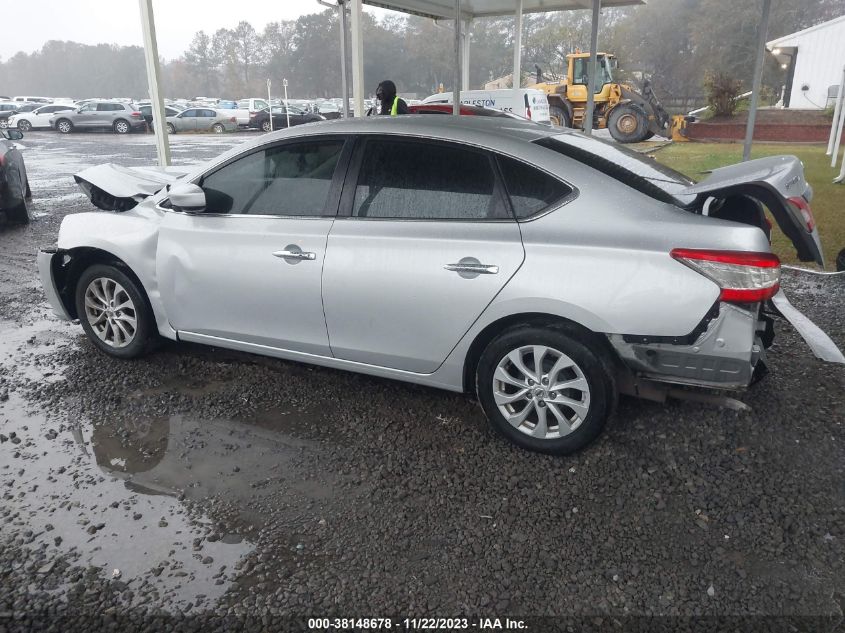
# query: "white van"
x,y
21,99
526,102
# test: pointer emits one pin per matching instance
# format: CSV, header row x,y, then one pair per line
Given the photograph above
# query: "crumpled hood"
x,y
116,188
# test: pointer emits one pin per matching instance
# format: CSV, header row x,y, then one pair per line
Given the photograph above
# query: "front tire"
x,y
171,129
114,312
559,116
627,124
544,390
24,125
265,126
121,127
64,126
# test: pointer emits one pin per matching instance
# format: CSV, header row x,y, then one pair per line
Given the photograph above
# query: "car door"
x,y
87,116
424,242
105,114
186,121
248,268
202,120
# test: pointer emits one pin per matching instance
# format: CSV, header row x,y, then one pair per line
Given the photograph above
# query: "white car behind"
x,y
38,118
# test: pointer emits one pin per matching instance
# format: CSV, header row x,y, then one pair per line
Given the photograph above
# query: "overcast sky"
x,y
118,21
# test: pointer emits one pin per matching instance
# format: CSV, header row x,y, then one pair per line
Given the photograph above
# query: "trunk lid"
x,y
115,188
773,181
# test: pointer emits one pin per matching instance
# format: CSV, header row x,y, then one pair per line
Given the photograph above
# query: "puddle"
x,y
55,487
23,349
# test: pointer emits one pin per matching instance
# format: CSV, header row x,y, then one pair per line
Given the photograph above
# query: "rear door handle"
x,y
477,269
288,254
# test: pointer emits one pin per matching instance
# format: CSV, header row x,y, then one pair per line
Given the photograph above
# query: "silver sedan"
x,y
202,120
544,271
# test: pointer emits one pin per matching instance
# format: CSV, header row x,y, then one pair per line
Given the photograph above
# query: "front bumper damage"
x,y
47,259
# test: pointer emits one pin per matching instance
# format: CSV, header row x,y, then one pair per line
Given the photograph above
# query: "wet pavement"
x,y
198,487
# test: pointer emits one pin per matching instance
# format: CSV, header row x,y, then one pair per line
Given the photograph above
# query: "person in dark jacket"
x,y
389,103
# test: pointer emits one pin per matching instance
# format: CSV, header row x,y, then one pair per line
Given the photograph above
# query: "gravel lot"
x,y
199,488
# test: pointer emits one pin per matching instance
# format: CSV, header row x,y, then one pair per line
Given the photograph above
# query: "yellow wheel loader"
x,y
630,116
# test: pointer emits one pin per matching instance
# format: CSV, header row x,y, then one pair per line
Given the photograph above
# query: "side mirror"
x,y
187,197
14,134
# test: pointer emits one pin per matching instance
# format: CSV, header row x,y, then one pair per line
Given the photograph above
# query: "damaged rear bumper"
x,y
728,355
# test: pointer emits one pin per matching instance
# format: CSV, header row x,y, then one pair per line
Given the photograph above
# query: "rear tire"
x,y
557,408
114,312
64,126
627,124
559,116
121,127
218,128
24,125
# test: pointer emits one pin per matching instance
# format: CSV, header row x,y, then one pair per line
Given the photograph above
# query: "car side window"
x,y
189,113
530,190
288,180
210,114
412,180
88,107
104,107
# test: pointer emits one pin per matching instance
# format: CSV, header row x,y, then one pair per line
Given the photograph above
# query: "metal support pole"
x,y
839,126
591,87
517,50
465,67
835,127
758,77
456,94
357,58
270,104
344,57
153,77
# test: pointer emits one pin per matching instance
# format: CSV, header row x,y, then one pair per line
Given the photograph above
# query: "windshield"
x,y
636,170
581,72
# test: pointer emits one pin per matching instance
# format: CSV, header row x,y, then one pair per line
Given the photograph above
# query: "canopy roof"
x,y
442,9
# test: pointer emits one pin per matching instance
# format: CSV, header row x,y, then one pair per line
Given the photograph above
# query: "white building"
x,y
813,60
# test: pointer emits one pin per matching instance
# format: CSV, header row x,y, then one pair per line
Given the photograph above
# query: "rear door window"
x,y
412,180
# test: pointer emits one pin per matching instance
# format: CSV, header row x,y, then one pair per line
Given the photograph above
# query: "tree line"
x,y
675,42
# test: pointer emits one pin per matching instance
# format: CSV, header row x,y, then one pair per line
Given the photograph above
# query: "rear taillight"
x,y
742,276
135,114
804,207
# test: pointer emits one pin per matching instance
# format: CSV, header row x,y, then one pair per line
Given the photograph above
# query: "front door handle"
x,y
472,268
288,253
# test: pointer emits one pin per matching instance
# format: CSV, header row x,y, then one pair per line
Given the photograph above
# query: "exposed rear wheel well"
x,y
69,265
595,341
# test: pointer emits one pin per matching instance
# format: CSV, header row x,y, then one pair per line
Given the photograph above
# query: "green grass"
x,y
828,199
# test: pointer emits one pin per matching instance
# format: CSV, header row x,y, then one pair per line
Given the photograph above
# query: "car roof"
x,y
475,130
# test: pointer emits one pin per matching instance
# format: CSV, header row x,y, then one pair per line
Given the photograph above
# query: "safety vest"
x,y
394,109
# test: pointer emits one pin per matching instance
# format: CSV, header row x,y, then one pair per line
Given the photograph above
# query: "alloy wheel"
x,y
541,391
110,312
24,125
64,127
121,127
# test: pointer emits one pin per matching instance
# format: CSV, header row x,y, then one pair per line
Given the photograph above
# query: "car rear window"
x,y
637,171
529,189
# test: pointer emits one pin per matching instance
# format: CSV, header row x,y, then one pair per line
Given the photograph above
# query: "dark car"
x,y
147,112
14,185
280,118
8,109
